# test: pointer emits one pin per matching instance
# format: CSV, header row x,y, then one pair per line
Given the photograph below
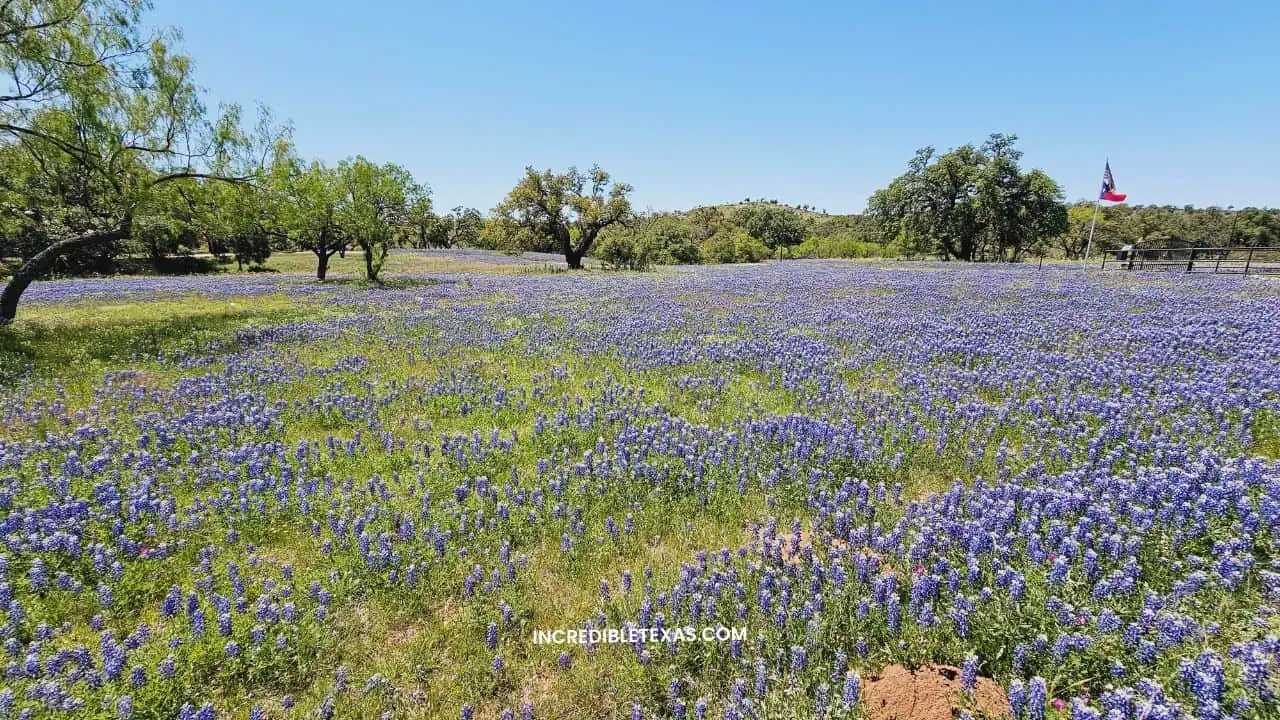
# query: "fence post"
x,y
1191,261
1218,262
1132,253
1248,261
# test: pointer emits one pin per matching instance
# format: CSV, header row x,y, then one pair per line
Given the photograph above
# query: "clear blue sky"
x,y
818,103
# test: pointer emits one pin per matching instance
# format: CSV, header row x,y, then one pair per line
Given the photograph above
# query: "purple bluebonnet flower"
x,y
1019,659
969,674
38,575
799,658
852,688
172,603
822,699
1037,699
1017,699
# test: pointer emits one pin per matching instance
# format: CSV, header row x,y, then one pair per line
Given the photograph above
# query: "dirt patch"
x,y
149,380
930,693
792,552
403,635
404,630
537,690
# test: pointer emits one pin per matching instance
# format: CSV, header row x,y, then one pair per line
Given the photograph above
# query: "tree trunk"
x,y
322,264
370,268
574,259
40,263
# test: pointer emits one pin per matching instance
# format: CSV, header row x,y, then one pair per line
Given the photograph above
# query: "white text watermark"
x,y
631,634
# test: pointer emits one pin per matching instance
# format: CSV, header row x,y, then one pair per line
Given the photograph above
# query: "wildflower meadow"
x,y
1035,494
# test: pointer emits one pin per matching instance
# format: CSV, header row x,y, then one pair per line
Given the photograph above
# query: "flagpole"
x,y
1092,225
1096,204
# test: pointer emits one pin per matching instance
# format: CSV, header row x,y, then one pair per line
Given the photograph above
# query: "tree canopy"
x,y
461,227
97,118
972,203
375,207
775,226
568,210
357,204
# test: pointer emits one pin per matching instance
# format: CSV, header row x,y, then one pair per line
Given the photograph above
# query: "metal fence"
x,y
1220,260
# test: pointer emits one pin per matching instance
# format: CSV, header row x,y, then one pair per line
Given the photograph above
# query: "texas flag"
x,y
1109,187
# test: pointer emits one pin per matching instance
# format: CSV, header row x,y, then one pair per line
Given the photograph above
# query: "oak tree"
x,y
568,210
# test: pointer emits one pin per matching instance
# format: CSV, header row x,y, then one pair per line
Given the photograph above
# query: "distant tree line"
x,y
1166,226
108,156
975,203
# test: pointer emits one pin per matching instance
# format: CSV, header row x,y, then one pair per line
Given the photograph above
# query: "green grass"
x,y
83,340
1266,434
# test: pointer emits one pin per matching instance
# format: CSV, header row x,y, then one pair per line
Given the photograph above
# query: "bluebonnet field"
x,y
303,500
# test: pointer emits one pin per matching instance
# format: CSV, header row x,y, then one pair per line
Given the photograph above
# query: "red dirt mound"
x,y
930,693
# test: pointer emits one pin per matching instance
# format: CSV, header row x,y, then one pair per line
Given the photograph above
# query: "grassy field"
x,y
292,500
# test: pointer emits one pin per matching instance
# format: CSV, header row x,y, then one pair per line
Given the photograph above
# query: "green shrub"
x,y
748,249
733,246
668,241
719,248
620,251
843,246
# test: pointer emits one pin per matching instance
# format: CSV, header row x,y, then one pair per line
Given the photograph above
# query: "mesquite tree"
x,y
569,209
102,117
308,199
330,210
375,208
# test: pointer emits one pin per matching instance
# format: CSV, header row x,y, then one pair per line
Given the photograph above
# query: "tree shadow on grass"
x,y
63,348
